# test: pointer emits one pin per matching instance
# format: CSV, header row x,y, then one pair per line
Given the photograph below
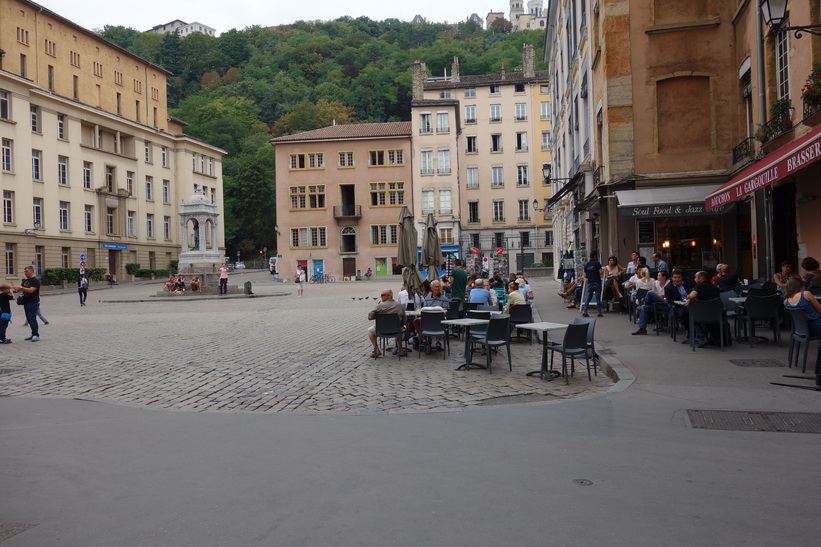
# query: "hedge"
x,y
55,276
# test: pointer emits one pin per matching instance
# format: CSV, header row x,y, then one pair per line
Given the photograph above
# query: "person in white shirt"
x,y
633,265
402,297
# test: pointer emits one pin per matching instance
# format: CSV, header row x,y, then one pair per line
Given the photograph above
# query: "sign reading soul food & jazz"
x,y
680,210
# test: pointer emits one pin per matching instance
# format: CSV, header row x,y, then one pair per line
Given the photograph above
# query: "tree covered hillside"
x,y
242,88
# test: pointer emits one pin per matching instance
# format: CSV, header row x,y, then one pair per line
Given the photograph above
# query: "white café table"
x,y
543,327
467,322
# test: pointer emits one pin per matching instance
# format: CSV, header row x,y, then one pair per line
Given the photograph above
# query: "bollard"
x,y
248,288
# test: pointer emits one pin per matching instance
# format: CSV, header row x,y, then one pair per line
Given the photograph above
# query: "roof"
x,y
487,79
351,131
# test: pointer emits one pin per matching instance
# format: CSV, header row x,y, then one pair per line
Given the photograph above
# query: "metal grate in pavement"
x,y
731,420
758,363
9,529
9,370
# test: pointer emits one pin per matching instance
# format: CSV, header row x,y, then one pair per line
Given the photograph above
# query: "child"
x,y
6,296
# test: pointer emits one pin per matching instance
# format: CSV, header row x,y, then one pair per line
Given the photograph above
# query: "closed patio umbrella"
x,y
406,252
431,250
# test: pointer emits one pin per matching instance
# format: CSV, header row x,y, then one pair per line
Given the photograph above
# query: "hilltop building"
x,y
182,28
534,17
91,164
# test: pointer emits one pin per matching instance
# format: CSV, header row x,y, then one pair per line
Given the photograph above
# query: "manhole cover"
x,y
9,370
728,420
9,529
758,363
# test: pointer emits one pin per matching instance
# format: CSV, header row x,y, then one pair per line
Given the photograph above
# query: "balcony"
x,y
780,124
743,150
347,211
443,171
597,176
470,120
812,112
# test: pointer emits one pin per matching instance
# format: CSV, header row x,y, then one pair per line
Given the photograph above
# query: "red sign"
x,y
474,251
500,251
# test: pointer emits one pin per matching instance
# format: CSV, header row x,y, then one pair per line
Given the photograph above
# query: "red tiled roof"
x,y
351,131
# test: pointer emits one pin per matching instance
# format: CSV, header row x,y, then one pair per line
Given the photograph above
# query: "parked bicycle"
x,y
323,278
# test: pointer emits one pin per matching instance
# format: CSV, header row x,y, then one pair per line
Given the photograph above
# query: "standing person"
x,y
299,279
6,296
223,279
82,288
30,287
459,280
593,272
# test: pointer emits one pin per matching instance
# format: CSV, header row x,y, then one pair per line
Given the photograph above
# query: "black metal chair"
x,y
454,312
730,309
573,346
706,312
388,326
521,314
591,349
410,306
468,306
800,335
431,326
661,315
497,334
634,303
478,330
760,308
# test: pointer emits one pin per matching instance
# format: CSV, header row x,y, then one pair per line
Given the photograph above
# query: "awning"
x,y
780,164
677,201
564,190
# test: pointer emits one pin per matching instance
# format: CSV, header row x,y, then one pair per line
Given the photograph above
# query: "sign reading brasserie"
x,y
680,210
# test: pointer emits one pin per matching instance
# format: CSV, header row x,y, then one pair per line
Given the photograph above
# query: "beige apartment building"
x,y
499,158
90,164
339,192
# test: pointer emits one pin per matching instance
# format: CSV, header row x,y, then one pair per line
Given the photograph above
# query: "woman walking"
x,y
82,288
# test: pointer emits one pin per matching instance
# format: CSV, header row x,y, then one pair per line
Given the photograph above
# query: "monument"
x,y
198,225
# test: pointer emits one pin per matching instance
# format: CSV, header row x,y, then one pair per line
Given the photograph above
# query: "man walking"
x,y
592,274
459,280
30,287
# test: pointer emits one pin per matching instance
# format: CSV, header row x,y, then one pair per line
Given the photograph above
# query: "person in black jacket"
x,y
704,290
678,290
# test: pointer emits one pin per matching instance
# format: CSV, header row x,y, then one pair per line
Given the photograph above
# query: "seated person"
x,y
726,281
498,282
640,280
514,297
812,277
677,290
403,297
704,290
369,274
195,284
436,299
180,284
612,272
718,273
481,294
170,282
386,305
798,297
655,295
786,273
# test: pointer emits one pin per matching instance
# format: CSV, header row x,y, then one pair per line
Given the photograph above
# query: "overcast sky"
x,y
224,15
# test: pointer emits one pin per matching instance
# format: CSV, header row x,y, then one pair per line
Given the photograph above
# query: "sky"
x,y
225,15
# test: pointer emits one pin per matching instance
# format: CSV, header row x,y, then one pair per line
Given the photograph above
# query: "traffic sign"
x,y
82,256
82,263
82,271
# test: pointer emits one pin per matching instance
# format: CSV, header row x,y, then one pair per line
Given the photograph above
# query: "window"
x,y
314,236
50,48
110,179
427,202
211,166
65,256
346,159
444,161
23,66
129,182
97,68
194,162
62,170
521,142
495,89
164,156
166,191
8,207
75,82
545,140
111,220
131,224
521,176
386,157
149,225
149,194
442,122
524,238
384,234
445,207
444,94
147,150
298,161
548,238
64,216
424,123
446,235
471,145
61,126
166,227
308,197
496,142
37,212
88,218
50,77
544,88
5,105
497,177
495,112
118,78
498,239
6,155
387,193
519,88
524,209
36,165
470,92
470,114
213,195
138,86
782,62
426,158
544,110
202,164
520,112
75,59
473,177
498,210
10,269
34,116
473,211
475,241
88,175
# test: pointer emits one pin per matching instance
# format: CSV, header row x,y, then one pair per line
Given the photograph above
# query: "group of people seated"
x,y
176,283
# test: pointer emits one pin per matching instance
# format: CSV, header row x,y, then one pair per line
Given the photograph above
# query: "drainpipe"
x,y
762,115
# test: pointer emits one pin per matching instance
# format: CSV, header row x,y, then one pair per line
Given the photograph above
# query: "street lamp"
x,y
547,169
775,11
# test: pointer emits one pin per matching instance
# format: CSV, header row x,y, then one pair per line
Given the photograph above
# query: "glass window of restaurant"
x,y
684,242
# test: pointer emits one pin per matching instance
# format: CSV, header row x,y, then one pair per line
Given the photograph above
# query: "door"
x,y
523,260
349,267
113,261
319,267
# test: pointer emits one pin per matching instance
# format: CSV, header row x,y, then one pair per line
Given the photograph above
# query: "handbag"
x,y
21,300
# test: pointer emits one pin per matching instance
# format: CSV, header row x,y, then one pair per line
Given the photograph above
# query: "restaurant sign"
x,y
679,210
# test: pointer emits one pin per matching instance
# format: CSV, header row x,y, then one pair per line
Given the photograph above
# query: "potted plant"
x,y
811,92
779,107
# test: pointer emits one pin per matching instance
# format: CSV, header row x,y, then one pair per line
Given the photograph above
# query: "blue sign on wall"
x,y
118,246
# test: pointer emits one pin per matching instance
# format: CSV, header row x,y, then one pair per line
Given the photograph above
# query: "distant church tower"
x,y
534,8
516,9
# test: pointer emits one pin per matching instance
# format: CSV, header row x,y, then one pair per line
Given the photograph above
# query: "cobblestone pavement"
x,y
274,353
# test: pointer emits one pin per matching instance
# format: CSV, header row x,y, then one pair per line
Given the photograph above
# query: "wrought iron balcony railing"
x,y
347,211
743,150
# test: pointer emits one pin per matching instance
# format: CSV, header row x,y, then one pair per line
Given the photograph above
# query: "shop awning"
x,y
780,164
668,202
564,190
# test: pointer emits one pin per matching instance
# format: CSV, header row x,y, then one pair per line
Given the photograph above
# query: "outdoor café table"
x,y
413,313
738,299
544,328
467,323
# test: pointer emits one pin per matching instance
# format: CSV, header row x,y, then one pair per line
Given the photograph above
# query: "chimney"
x,y
503,71
420,74
529,61
454,70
